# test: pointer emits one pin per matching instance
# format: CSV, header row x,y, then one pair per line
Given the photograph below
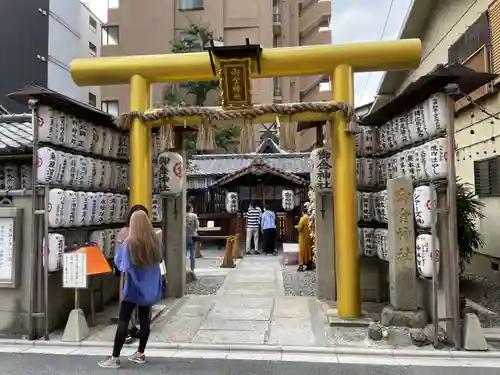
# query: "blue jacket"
x,y
143,285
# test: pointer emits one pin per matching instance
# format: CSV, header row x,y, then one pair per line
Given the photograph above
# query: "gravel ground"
x,y
298,283
205,285
484,291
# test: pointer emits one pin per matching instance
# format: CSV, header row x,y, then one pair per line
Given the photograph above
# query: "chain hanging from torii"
x,y
209,115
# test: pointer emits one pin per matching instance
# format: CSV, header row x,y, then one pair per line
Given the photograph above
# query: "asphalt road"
x,y
43,364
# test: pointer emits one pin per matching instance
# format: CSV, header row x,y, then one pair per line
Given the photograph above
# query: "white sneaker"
x,y
137,358
111,362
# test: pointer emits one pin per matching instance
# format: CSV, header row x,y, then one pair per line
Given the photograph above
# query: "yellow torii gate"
x,y
341,61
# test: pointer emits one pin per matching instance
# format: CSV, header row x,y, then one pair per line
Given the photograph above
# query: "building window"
x,y
325,84
191,5
92,49
110,106
92,99
324,25
110,35
486,177
92,24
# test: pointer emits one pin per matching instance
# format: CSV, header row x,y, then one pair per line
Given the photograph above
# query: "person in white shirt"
x,y
253,224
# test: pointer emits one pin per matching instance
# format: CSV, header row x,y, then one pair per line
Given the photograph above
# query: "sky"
x,y
352,21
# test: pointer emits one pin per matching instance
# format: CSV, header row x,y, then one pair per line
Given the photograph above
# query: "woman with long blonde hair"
x,y
139,257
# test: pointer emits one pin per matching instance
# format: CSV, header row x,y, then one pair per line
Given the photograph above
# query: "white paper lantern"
x,y
26,176
423,203
381,213
55,251
232,202
97,140
108,171
62,165
359,143
419,128
46,165
125,207
156,208
91,214
359,234
89,140
366,206
437,157
368,172
391,131
115,144
369,140
424,247
381,244
59,134
126,145
71,132
402,164
383,144
369,248
436,113
119,199
359,208
12,176
70,208
91,172
81,171
359,172
83,137
107,142
399,123
56,207
156,143
101,208
321,170
47,119
116,171
110,242
381,172
287,199
98,177
170,173
109,212
98,239
70,170
82,206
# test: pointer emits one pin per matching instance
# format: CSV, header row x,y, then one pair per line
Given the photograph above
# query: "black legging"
x,y
126,310
269,240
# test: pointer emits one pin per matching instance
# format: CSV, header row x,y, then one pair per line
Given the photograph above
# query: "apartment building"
x,y
39,39
467,32
134,29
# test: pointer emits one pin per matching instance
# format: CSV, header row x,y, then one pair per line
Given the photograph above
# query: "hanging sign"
x,y
287,199
232,202
321,176
235,83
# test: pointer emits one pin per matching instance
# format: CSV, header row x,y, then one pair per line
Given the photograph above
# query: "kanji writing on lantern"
x,y
404,253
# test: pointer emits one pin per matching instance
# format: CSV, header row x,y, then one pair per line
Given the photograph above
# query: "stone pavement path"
x,y
249,308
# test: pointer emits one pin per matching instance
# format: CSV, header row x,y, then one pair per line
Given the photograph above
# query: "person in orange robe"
x,y
305,243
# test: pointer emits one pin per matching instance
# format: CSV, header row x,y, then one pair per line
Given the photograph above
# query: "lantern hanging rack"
x,y
259,113
246,50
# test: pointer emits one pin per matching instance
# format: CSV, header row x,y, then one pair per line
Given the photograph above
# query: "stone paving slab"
x,y
229,337
240,313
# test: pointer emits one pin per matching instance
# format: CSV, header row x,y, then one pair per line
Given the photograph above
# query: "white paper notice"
x,y
6,249
75,270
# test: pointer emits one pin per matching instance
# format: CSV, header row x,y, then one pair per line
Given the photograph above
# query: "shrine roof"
x,y
222,164
16,135
261,167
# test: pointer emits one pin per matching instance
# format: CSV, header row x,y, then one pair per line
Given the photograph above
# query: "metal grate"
x,y
486,177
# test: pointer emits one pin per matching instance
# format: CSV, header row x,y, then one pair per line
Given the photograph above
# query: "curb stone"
x,y
235,348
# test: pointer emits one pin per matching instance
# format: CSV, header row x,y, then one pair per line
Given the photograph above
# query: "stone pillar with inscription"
x,y
401,250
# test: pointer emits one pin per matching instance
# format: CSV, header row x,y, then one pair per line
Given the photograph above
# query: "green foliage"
x,y
194,39
469,210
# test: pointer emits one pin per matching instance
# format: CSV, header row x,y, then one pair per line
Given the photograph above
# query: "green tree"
x,y
195,38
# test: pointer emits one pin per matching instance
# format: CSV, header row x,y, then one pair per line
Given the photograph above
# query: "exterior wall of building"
x,y
64,45
25,33
90,46
150,30
447,22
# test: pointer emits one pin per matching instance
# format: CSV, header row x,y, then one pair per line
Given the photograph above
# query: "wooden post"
x,y
198,248
228,261
236,247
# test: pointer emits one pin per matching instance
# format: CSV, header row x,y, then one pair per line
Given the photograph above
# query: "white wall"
x,y
93,35
64,45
